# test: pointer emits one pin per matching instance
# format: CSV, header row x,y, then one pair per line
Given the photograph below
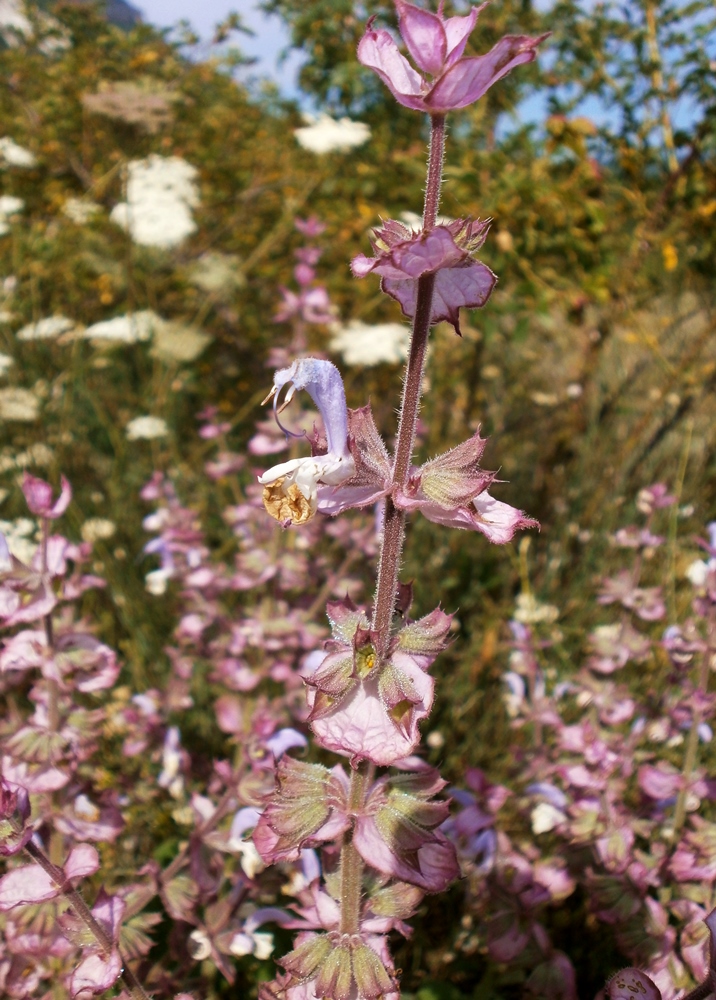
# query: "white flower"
x,y
546,817
530,610
697,573
326,135
161,191
18,404
258,943
80,210
6,362
170,777
361,344
199,945
128,329
415,221
146,428
37,454
156,581
177,342
216,272
15,155
86,809
18,535
96,528
46,329
15,28
9,205
13,22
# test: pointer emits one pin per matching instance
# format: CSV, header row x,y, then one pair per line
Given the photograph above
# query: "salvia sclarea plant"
x,y
369,691
57,801
385,840
610,786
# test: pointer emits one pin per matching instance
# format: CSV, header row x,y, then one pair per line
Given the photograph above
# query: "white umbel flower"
x,y
18,404
80,210
328,135
161,191
46,329
361,344
146,428
15,155
125,329
9,206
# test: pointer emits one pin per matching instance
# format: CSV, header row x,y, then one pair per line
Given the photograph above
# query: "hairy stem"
x,y
394,524
352,864
84,913
53,690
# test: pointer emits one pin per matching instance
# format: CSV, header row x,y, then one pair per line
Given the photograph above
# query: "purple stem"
x,y
84,913
394,525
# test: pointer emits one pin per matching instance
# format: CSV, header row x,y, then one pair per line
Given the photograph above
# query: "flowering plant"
x,y
368,694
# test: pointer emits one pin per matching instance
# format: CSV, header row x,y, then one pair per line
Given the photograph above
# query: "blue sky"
x,y
266,46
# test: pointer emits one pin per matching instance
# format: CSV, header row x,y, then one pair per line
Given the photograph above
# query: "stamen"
x,y
280,408
270,396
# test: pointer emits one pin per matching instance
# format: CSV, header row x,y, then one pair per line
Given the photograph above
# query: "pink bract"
x,y
403,256
436,45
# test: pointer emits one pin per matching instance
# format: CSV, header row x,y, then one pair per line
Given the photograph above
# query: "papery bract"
x,y
398,835
369,709
38,495
403,256
308,808
436,45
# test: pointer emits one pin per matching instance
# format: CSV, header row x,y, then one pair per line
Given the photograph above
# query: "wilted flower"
x,y
178,342
326,135
147,428
403,256
146,103
216,272
436,45
362,344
